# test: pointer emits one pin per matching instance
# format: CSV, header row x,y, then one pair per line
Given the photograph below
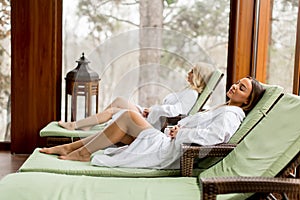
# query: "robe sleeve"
x,y
220,130
182,106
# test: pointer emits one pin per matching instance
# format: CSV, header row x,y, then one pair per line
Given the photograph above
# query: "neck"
x,y
233,104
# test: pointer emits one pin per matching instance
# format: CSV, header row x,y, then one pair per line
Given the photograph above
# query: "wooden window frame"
x,y
249,39
240,48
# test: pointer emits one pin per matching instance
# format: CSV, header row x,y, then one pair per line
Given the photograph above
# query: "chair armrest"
x,y
192,151
171,121
225,185
174,120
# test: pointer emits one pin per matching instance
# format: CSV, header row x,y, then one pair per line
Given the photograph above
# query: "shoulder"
x,y
231,111
190,92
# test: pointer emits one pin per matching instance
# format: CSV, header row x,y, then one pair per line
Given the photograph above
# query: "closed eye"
x,y
243,87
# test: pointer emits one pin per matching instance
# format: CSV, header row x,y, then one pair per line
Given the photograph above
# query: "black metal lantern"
x,y
81,81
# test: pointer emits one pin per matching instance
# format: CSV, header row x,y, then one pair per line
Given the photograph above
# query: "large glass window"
x,y
280,66
5,70
108,31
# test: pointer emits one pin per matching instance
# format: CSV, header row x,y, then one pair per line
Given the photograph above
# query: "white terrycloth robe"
x,y
154,149
172,105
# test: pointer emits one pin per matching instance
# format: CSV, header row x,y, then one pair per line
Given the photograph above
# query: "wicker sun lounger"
x,y
49,163
258,164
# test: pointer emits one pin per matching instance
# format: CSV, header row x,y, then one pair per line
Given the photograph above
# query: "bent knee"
x,y
130,114
111,111
119,101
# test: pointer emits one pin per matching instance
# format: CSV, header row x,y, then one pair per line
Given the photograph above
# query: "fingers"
x,y
174,131
146,112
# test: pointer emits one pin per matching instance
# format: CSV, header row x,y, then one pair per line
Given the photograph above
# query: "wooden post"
x,y
36,45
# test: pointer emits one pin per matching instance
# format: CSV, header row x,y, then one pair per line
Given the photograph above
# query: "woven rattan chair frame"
x,y
224,185
262,186
192,151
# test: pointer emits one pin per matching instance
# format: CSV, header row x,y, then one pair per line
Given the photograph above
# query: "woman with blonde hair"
x,y
201,74
173,104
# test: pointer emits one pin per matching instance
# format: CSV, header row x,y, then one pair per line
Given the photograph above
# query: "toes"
x,y
62,157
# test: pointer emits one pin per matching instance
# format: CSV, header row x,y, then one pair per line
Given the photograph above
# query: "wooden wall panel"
x,y
245,39
240,40
36,70
264,18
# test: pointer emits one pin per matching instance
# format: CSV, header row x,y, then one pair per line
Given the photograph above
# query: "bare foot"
x,y
67,125
61,150
86,128
81,154
71,126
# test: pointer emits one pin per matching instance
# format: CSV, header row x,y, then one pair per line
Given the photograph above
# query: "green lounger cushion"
x,y
47,186
40,162
53,129
268,148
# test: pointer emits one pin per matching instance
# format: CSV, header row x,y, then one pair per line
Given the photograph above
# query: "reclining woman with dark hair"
x,y
149,148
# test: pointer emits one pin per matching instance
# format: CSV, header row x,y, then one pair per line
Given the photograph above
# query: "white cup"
x,y
167,130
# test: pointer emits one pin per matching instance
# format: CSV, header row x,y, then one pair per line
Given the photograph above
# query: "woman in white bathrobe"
x,y
173,104
150,148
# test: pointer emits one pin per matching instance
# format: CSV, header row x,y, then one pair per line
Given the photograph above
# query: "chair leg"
x,y
186,163
7,132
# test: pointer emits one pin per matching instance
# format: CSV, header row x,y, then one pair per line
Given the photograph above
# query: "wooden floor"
x,y
10,163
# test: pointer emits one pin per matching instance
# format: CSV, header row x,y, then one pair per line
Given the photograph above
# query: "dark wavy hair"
x,y
255,95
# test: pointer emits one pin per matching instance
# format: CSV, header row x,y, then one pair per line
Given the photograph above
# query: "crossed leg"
x,y
118,104
125,129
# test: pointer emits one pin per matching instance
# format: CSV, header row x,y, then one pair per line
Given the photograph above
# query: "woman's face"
x,y
190,76
239,92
